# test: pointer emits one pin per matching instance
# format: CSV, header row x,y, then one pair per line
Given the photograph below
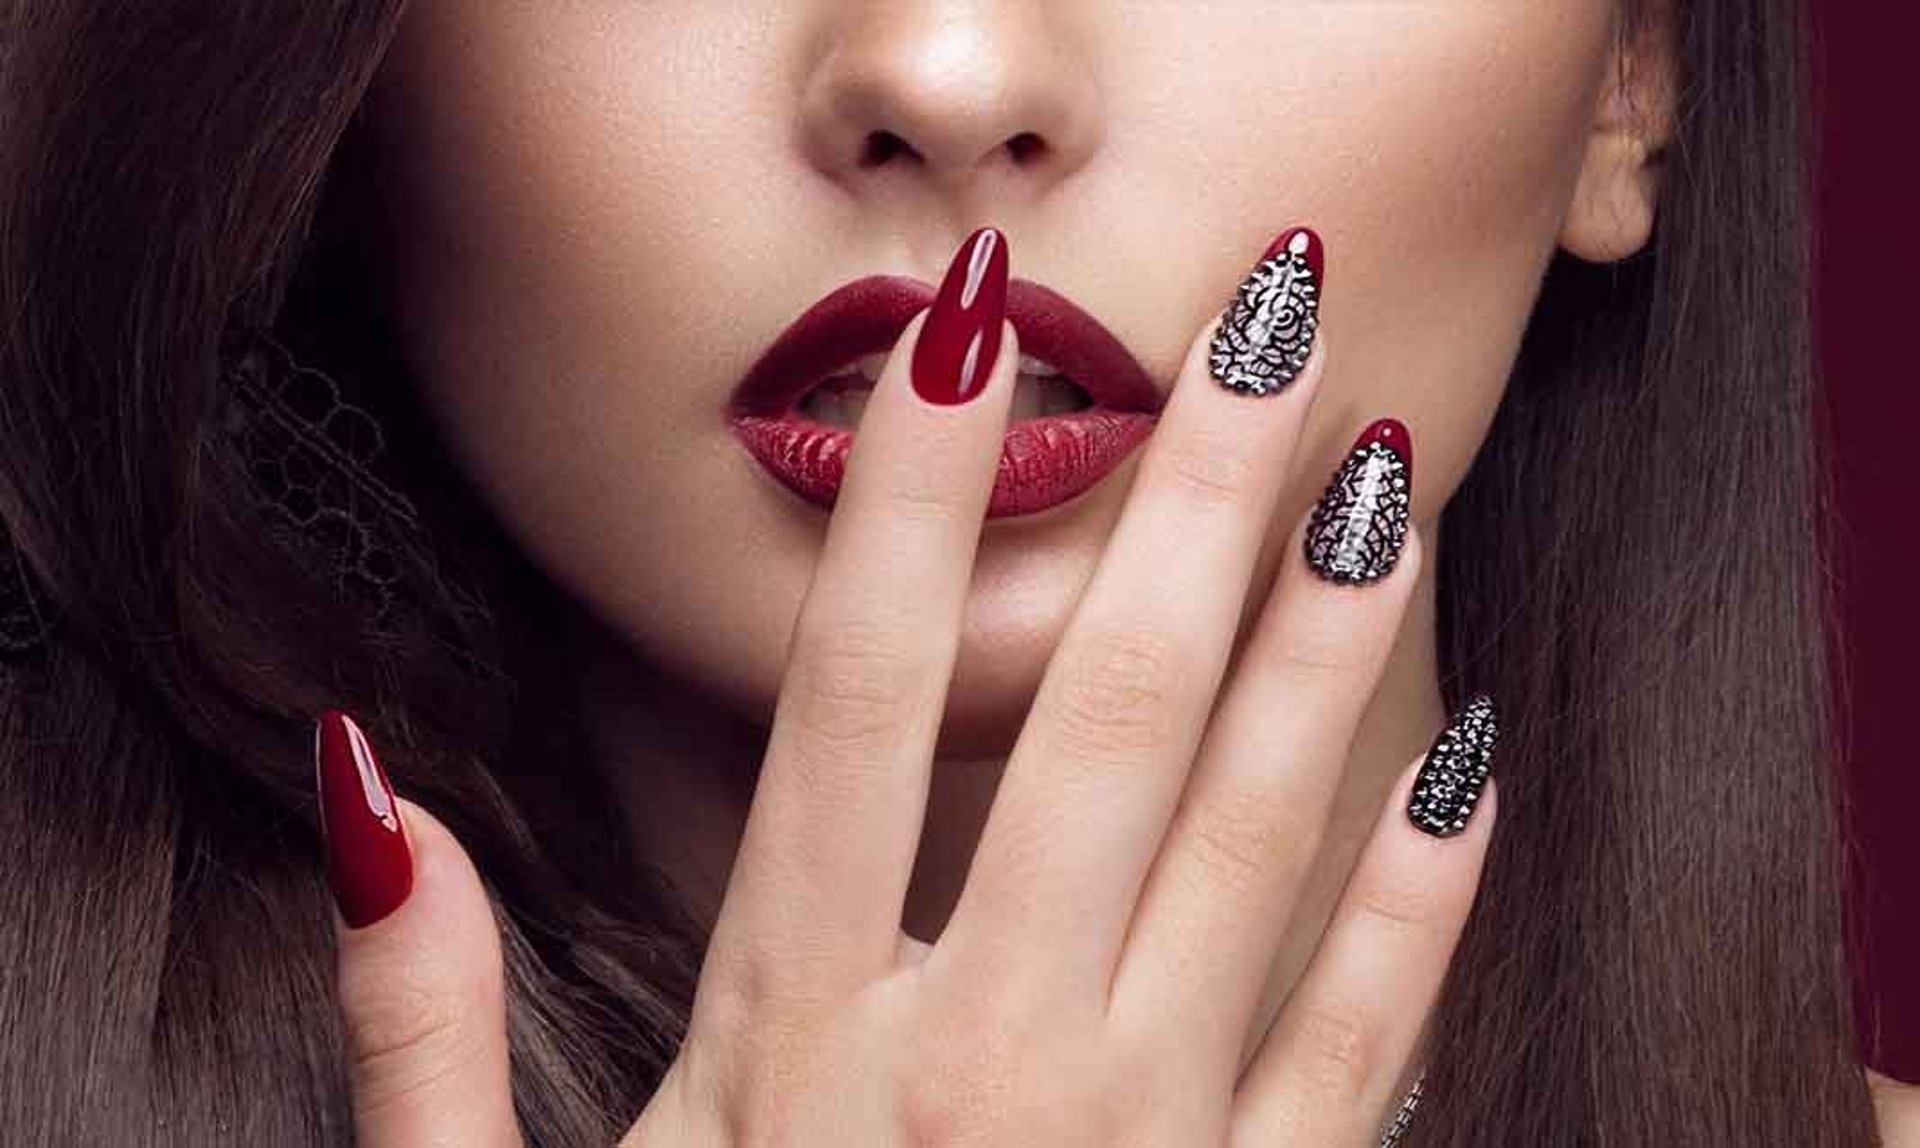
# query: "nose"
x,y
978,100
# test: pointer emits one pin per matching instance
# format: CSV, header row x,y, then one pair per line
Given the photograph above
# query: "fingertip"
x,y
422,994
447,894
440,941
1009,355
426,835
1449,791
369,861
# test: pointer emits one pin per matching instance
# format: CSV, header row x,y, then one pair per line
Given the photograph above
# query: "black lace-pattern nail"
x,y
1455,771
1360,523
1266,333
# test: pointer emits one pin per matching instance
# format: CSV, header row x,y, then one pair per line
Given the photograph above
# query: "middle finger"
x,y
1120,710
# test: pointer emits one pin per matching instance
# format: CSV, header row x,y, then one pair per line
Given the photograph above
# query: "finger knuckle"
x,y
733,996
403,1038
1235,844
753,1067
753,998
1316,645
1338,1046
1405,906
958,1070
1116,693
1210,469
854,688
936,1108
927,496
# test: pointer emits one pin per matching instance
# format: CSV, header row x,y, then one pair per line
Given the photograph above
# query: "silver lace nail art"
x,y
1266,333
1360,523
1455,771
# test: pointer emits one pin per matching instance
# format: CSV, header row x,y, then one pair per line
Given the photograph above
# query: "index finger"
x,y
823,867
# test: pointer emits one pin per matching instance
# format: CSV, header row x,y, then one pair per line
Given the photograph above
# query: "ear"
x,y
1618,191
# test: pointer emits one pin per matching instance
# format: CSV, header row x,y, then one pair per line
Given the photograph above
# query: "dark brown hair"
x,y
1631,566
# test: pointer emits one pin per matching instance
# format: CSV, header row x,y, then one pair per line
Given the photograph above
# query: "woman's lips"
x,y
1043,461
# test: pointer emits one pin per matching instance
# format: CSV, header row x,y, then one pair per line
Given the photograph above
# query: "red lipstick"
x,y
1044,461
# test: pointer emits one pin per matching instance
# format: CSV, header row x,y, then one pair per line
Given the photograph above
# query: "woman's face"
x,y
599,215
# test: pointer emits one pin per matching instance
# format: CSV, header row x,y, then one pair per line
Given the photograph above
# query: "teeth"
x,y
836,408
869,367
1031,365
1034,396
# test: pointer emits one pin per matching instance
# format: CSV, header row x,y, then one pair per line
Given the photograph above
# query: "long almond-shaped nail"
x,y
1266,333
961,336
368,863
1455,770
1360,523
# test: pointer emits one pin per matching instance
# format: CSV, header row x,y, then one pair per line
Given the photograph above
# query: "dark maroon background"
x,y
1867,286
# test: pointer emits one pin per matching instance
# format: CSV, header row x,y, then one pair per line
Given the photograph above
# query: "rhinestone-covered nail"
x,y
1266,333
1360,523
1455,771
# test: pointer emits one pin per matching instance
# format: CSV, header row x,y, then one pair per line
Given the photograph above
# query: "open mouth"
x,y
1081,403
1041,389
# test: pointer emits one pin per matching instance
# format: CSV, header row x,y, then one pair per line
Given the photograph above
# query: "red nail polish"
x,y
1305,242
961,335
368,862
1392,434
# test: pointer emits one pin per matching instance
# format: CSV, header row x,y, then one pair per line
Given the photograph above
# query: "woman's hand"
x,y
1099,981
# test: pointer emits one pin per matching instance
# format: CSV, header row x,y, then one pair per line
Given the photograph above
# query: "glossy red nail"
x,y
962,331
368,862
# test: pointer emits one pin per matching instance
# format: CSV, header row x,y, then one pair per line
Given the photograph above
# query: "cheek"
x,y
569,197
574,256
1435,146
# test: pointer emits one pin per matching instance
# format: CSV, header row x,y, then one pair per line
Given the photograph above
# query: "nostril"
x,y
1026,146
882,146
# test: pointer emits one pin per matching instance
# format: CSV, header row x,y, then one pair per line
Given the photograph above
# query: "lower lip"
x,y
1043,462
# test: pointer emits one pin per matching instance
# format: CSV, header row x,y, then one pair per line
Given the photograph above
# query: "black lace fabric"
x,y
309,456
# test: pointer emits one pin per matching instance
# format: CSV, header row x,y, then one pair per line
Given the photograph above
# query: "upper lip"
x,y
869,313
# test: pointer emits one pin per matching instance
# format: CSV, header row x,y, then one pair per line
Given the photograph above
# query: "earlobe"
x,y
1616,196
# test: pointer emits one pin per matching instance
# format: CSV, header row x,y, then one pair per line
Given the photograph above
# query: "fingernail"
x,y
1266,333
368,863
1360,523
1455,771
962,332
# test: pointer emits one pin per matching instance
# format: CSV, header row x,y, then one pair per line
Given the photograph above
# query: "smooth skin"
x,y
1133,879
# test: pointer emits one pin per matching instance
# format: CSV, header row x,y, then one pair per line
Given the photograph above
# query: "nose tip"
x,y
951,100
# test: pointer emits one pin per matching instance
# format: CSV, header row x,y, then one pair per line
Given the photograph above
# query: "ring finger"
x,y
1248,828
